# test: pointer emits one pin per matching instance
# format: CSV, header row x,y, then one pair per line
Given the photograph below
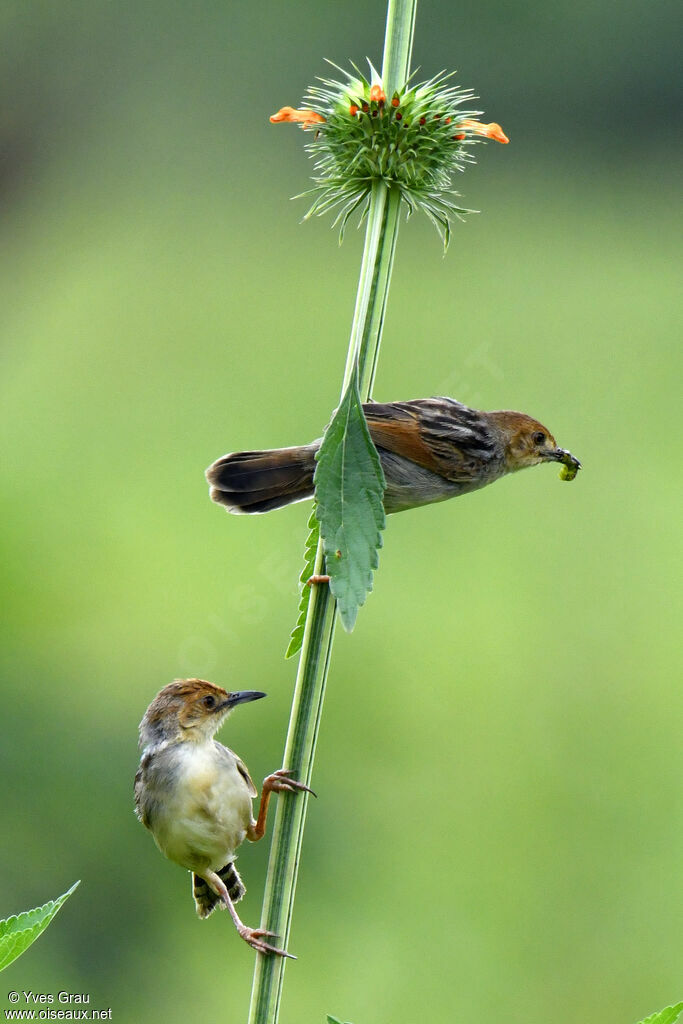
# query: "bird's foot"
x,y
280,782
255,936
317,578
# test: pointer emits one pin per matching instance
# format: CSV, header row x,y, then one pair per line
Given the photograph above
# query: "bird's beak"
x,y
562,455
242,697
570,463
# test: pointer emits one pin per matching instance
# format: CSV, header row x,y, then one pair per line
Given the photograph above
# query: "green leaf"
x,y
19,931
667,1016
334,1020
297,634
349,491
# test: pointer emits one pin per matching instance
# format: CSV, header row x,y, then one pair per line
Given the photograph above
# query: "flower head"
x,y
415,141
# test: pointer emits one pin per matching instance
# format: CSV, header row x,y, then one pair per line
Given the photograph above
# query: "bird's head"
x,y
190,709
527,443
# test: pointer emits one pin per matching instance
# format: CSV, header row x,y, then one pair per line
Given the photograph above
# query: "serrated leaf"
x,y
349,492
669,1015
18,932
297,635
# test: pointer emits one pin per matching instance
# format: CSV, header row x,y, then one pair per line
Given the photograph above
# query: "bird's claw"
x,y
253,937
259,933
317,578
280,782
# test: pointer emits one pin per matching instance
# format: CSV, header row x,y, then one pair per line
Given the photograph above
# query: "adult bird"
x,y
194,795
431,449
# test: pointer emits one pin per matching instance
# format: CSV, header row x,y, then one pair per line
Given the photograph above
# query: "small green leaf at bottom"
x,y
297,636
349,492
18,932
335,1020
669,1015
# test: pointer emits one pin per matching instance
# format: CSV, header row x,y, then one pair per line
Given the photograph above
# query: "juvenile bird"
x,y
430,449
194,795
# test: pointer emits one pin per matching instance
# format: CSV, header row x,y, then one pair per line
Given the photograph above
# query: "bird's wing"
x,y
439,434
137,787
231,756
242,769
139,791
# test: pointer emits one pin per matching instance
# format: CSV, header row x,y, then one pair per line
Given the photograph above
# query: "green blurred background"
x,y
499,825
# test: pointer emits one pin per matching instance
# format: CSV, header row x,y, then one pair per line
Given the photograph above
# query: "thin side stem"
x,y
314,659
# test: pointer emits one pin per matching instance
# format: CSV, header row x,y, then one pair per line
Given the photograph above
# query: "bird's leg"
x,y
252,936
278,782
317,578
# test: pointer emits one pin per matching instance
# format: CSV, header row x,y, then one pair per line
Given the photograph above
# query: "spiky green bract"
x,y
349,492
20,931
414,139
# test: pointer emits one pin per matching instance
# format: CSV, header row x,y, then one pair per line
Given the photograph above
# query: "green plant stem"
x,y
398,44
373,287
314,659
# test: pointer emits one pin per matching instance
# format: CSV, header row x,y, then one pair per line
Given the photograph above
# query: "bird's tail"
x,y
205,899
261,481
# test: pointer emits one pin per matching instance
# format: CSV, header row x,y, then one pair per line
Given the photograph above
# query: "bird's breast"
x,y
204,808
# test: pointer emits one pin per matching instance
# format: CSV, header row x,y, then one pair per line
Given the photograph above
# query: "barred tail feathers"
x,y
205,899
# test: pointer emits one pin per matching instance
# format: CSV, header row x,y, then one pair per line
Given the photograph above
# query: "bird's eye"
x,y
209,702
538,437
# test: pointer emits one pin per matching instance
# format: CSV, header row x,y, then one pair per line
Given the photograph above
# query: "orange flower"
x,y
306,118
491,131
377,94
